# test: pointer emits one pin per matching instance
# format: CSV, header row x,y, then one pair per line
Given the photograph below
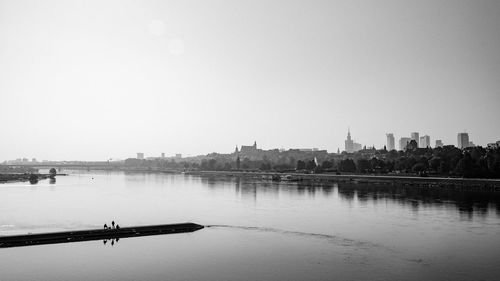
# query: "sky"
x,y
93,80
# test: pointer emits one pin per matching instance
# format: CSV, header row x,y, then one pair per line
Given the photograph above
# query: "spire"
x,y
236,149
255,144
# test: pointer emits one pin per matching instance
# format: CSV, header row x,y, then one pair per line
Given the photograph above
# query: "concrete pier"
x,y
95,234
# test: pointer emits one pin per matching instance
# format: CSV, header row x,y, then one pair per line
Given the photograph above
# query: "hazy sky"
x,y
92,80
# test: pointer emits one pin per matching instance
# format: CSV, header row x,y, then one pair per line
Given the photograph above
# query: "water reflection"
x,y
113,241
467,203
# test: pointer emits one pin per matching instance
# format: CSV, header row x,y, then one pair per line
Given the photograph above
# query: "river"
x,y
257,230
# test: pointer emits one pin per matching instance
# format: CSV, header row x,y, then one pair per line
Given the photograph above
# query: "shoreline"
x,y
490,185
13,177
465,184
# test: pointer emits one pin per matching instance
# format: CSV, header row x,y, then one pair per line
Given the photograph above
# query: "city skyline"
x,y
398,144
80,81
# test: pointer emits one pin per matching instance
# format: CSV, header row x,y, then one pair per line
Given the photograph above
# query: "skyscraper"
x,y
439,143
350,145
390,142
425,141
415,137
403,142
463,140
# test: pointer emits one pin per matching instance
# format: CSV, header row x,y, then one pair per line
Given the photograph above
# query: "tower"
x,y
415,136
349,143
463,140
390,141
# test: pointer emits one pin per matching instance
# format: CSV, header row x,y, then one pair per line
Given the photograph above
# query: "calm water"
x,y
258,230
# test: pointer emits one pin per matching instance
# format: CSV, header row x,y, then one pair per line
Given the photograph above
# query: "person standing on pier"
x,y
105,226
113,224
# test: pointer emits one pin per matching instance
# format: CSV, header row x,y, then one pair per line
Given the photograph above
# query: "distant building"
x,y
248,148
412,145
403,142
439,143
493,145
415,136
425,141
471,144
162,155
357,146
140,155
178,156
390,142
250,151
308,149
463,140
350,145
33,160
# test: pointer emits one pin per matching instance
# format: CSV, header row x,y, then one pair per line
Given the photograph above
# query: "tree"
x,y
435,163
238,163
347,165
327,165
418,168
246,163
310,165
33,178
212,164
400,164
363,165
52,172
301,165
265,166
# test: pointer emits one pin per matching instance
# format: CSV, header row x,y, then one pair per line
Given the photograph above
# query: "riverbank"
x,y
490,185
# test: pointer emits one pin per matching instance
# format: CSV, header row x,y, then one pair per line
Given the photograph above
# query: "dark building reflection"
x,y
467,203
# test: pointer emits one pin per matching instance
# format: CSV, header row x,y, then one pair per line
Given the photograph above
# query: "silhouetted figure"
x,y
117,226
105,226
117,239
112,242
113,224
105,241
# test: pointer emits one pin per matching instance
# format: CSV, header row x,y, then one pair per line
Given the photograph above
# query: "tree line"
x,y
473,162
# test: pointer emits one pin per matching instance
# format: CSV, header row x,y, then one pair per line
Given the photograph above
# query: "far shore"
x,y
456,183
22,177
461,183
